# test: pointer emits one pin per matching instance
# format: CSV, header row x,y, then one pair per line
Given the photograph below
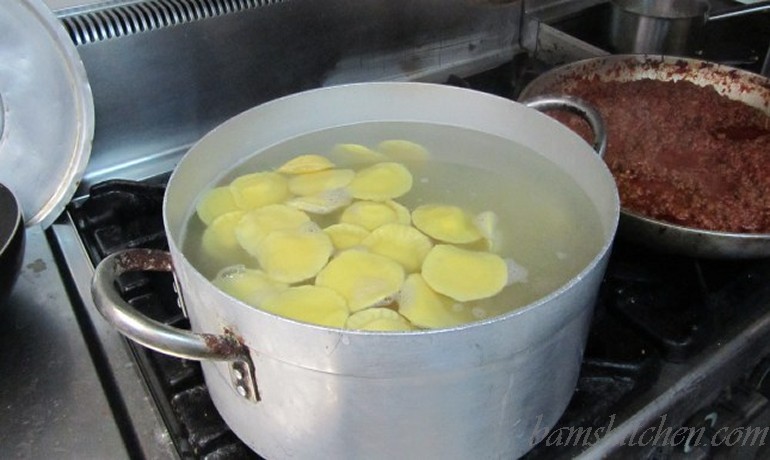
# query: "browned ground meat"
x,y
684,154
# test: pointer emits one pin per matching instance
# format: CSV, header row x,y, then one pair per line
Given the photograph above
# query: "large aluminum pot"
x,y
294,390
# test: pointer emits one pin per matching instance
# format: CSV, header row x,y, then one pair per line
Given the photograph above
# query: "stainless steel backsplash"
x,y
164,72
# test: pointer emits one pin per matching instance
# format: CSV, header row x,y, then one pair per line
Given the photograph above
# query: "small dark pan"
x,y
12,241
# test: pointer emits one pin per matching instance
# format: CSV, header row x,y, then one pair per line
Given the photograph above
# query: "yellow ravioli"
x,y
310,304
306,164
401,150
214,203
362,278
446,223
402,243
482,245
246,284
462,274
322,203
255,225
219,242
378,319
291,256
369,214
403,215
380,182
255,190
318,182
345,236
424,307
356,154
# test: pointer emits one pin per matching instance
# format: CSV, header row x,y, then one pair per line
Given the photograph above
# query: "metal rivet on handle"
x,y
242,378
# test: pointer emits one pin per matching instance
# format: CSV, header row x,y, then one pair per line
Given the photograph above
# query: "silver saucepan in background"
x,y
295,390
672,27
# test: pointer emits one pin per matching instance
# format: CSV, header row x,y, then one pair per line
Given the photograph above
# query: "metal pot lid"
x,y
46,110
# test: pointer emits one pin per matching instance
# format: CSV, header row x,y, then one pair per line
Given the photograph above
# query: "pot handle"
x,y
161,337
578,107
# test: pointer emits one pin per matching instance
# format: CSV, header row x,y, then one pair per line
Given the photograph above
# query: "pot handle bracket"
x,y
578,107
161,337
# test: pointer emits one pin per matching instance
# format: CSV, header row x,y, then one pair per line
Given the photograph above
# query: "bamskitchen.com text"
x,y
658,435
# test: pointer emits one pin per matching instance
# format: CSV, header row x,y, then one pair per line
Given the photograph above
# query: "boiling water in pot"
x,y
547,224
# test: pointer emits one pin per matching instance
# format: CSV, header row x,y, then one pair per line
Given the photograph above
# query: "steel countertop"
x,y
52,403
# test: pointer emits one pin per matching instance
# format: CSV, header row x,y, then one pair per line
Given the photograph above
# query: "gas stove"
x,y
677,345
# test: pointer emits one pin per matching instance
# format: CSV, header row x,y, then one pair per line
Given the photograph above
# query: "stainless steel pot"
x,y
735,84
294,390
672,27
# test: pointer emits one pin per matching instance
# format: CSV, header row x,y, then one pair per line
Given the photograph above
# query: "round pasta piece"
x,y
255,190
345,236
214,203
318,182
248,285
291,256
255,225
369,214
426,308
401,150
306,164
219,243
309,304
380,182
356,154
462,274
403,215
450,224
378,319
325,202
362,278
402,243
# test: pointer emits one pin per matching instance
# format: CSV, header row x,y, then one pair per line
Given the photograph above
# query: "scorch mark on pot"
x,y
230,344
